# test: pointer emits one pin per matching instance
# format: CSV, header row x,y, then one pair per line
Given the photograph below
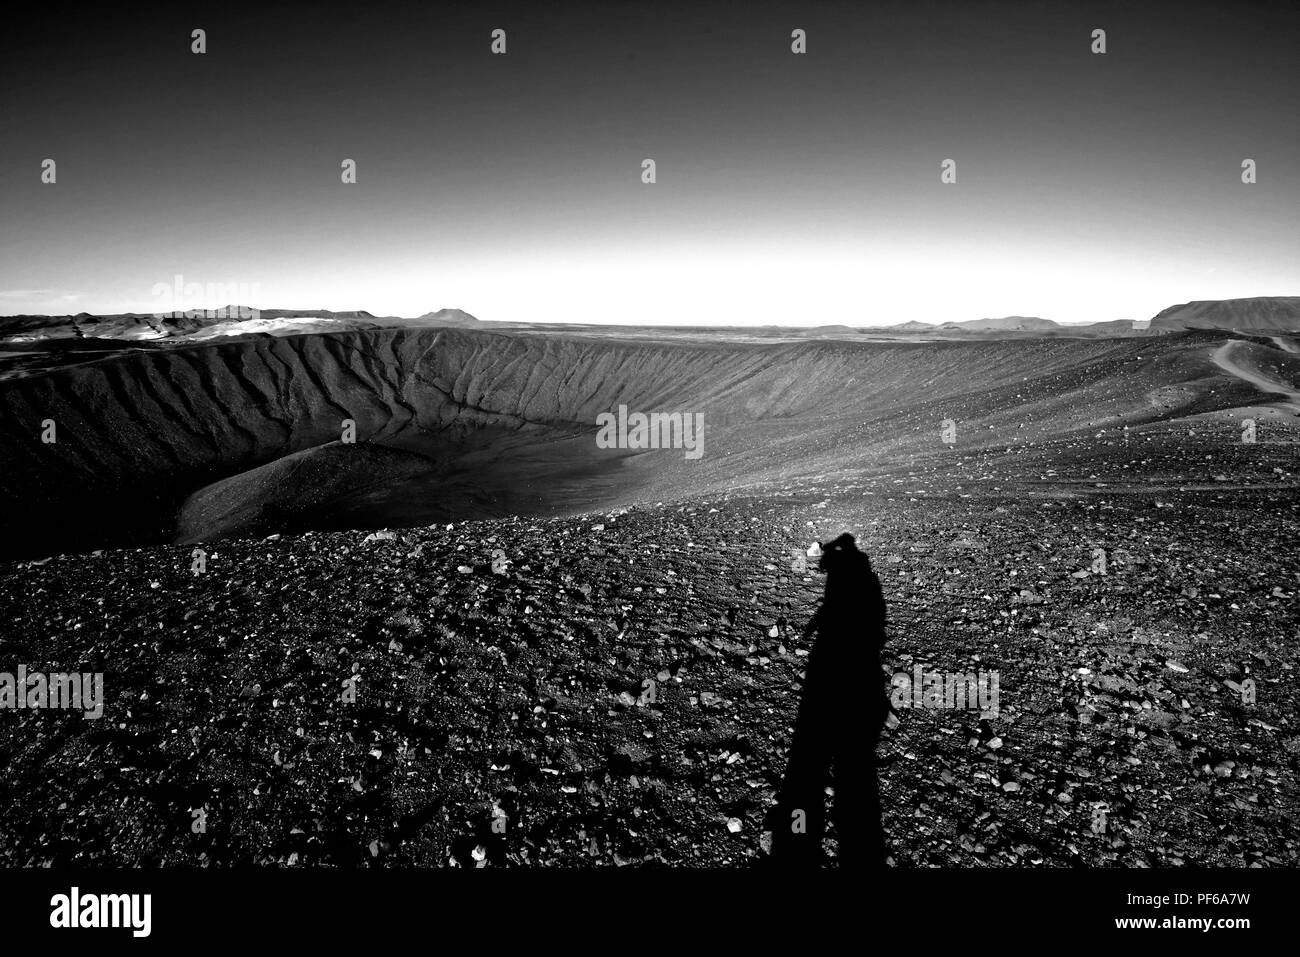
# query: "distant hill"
x,y
1114,327
449,317
234,312
1004,324
1260,314
231,320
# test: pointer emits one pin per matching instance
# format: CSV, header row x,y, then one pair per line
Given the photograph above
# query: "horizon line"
x,y
211,313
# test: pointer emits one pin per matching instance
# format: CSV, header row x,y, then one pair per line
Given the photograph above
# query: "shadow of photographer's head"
x,y
842,554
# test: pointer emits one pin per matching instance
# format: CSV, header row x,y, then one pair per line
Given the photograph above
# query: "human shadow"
x,y
839,722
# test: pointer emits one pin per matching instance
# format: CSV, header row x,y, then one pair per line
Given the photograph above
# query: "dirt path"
x,y
1223,359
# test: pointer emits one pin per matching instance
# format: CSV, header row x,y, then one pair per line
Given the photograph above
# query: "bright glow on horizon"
x,y
794,283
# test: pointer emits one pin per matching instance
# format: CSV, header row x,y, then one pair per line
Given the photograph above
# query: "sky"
x,y
799,189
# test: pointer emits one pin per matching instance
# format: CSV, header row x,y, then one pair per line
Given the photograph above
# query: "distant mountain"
x,y
236,312
126,325
833,330
1111,327
449,317
201,324
1004,324
1260,314
226,320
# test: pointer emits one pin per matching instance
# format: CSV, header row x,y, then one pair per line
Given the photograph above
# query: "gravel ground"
x,y
619,689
